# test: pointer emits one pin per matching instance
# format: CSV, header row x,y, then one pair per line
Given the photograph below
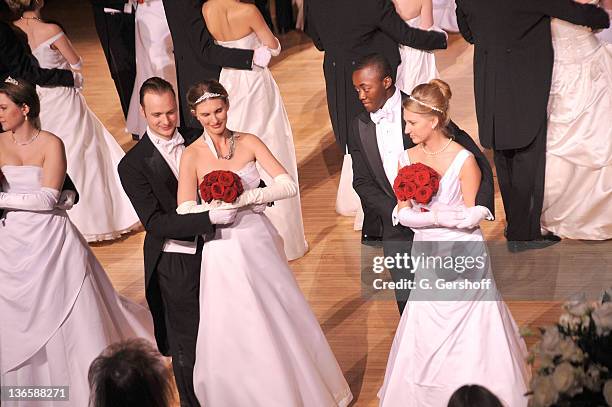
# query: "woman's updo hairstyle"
x,y
431,98
18,7
207,89
22,93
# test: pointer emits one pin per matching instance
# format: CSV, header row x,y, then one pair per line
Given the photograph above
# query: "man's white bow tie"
x,y
171,145
381,114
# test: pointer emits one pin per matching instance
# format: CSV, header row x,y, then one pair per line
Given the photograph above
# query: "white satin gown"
x,y
259,344
154,57
578,183
256,107
469,337
104,211
58,309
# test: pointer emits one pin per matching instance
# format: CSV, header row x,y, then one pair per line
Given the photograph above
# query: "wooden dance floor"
x,y
359,331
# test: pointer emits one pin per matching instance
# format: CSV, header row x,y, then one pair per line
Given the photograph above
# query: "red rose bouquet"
x,y
416,181
221,185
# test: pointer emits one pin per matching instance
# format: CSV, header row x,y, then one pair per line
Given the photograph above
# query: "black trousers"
x,y
264,9
520,174
117,37
179,281
284,16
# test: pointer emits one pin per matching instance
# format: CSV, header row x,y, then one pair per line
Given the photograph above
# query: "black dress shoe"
x,y
540,242
374,241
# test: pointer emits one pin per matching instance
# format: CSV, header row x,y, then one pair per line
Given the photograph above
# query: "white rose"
x,y
607,392
602,316
549,344
544,392
577,305
570,351
565,320
563,377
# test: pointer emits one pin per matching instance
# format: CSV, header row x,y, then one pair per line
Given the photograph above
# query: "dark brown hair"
x,y
130,374
18,7
155,85
472,395
435,93
23,93
209,85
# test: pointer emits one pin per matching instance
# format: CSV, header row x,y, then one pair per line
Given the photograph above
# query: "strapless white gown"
x,y
259,344
578,187
416,67
256,107
468,338
104,211
58,309
445,16
154,57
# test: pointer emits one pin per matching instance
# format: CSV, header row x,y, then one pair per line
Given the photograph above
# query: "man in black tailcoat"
x,y
347,30
513,62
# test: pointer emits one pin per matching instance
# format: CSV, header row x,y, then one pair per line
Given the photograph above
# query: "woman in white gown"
x,y
259,344
578,188
154,56
257,107
448,338
58,309
104,212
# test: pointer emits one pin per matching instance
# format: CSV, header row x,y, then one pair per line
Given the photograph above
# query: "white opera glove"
x,y
473,217
66,200
43,200
414,218
262,56
218,216
283,187
276,51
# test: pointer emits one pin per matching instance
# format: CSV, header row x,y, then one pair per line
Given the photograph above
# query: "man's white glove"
x,y
262,56
78,80
222,216
473,217
66,200
282,188
260,208
414,218
43,200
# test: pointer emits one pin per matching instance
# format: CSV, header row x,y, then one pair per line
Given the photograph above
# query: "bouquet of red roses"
x,y
222,185
416,181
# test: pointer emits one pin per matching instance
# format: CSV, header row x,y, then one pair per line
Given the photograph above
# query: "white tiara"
x,y
207,95
11,81
425,104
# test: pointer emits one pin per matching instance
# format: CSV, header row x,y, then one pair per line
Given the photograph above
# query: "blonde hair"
x,y
20,6
432,98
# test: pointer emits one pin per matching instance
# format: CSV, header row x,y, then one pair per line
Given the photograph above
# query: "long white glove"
x,y
276,51
473,217
66,200
283,187
218,216
414,218
43,200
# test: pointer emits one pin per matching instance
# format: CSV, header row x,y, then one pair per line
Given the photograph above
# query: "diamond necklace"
x,y
30,141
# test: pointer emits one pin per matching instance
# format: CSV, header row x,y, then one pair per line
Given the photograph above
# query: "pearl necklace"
x,y
30,18
30,141
450,140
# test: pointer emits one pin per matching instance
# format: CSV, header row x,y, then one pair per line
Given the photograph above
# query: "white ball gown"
x,y
58,309
256,107
154,57
445,16
104,211
469,338
259,344
578,183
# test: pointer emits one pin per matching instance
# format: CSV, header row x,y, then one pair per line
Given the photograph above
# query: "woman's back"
x,y
228,20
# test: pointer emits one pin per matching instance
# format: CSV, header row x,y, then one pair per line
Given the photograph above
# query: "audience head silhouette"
x,y
130,374
473,395
373,81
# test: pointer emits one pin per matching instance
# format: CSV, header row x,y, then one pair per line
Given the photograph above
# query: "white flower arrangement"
x,y
575,357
